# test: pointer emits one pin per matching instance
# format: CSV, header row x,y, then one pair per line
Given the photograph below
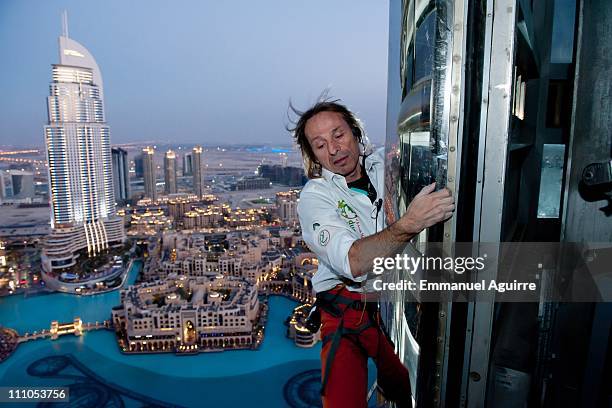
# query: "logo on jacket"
x,y
346,211
324,237
350,216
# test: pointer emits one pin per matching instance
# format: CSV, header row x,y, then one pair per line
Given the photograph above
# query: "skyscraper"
x,y
148,173
187,164
197,170
138,166
79,156
121,178
170,172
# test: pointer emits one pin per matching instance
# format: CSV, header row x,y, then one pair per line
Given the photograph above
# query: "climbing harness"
x,y
336,305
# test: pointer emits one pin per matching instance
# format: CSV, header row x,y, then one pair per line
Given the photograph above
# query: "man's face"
x,y
333,144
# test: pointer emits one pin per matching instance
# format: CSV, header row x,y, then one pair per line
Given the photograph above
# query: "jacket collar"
x,y
370,161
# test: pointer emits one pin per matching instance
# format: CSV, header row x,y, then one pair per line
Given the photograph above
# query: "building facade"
x,y
252,183
187,164
79,161
16,186
148,173
187,315
138,166
197,170
121,175
170,172
286,206
282,174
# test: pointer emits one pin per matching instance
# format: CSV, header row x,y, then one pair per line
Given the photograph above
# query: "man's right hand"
x,y
427,208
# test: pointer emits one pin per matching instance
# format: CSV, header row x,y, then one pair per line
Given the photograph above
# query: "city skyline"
x,y
201,80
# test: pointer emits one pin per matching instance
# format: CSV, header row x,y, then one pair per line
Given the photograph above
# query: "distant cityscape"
x,y
195,238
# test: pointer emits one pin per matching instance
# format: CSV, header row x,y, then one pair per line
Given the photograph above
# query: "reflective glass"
x,y
424,47
553,159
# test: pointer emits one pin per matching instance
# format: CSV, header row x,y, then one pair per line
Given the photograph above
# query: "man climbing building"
x,y
342,222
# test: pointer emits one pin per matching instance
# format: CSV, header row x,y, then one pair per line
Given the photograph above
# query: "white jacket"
x,y
333,217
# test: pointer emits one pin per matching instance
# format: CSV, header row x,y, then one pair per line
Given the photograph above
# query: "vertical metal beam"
x,y
394,85
454,87
598,347
393,306
591,125
590,141
394,99
495,116
456,91
465,380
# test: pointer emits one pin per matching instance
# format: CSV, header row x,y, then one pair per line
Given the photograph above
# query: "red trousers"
x,y
347,382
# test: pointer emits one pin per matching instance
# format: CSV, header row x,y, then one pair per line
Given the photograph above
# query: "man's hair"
x,y
312,166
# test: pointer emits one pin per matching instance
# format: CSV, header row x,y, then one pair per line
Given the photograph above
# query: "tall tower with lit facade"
x,y
148,173
170,172
197,170
83,216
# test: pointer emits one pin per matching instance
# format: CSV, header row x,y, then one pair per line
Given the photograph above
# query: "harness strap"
x,y
335,338
332,353
346,331
330,303
338,298
331,298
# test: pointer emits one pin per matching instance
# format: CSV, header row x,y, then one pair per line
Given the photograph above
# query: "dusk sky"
x,y
198,71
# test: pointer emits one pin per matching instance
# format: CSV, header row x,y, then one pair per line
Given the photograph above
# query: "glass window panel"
x,y
418,164
562,45
409,71
407,48
553,160
424,47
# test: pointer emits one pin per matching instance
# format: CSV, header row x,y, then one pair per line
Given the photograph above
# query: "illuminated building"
x,y
286,205
178,206
4,272
170,172
148,223
301,283
197,170
297,330
200,217
148,173
182,314
79,156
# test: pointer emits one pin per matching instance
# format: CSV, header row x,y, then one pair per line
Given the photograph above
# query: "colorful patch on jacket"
x,y
350,216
